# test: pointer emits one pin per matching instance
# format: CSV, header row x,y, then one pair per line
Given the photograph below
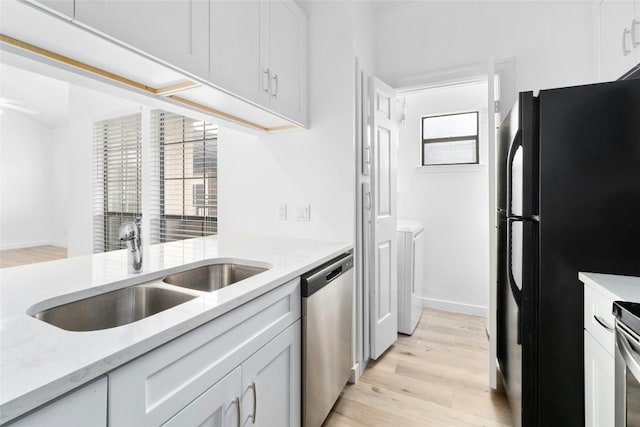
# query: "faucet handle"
x,y
128,231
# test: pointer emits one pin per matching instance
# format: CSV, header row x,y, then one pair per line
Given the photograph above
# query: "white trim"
x,y
471,167
21,245
447,77
455,307
355,374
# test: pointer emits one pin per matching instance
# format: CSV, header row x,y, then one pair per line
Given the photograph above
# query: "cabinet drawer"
x,y
156,386
598,318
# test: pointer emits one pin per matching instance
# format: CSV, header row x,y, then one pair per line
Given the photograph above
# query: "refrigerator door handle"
x,y
517,293
513,148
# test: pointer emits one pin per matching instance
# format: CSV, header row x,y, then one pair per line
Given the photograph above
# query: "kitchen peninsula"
x,y
40,362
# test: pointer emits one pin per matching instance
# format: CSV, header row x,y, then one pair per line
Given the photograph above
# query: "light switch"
x,y
303,213
282,211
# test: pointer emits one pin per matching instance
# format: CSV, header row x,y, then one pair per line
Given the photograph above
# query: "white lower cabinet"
x,y
599,381
83,407
217,407
263,391
195,379
271,382
599,362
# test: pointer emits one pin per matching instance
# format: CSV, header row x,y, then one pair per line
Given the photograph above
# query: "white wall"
x,y
551,41
314,166
451,201
59,185
25,186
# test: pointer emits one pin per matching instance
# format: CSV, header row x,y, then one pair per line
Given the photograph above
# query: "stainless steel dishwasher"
x,y
327,299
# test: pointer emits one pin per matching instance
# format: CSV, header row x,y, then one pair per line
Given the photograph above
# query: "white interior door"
x,y
384,311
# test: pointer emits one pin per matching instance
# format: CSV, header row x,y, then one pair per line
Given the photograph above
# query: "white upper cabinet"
x,y
619,37
245,61
235,48
59,7
174,31
259,52
283,57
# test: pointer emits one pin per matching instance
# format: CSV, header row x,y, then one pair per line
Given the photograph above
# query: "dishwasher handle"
x,y
335,273
319,277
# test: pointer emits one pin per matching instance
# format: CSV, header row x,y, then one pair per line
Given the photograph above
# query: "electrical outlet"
x,y
282,212
303,213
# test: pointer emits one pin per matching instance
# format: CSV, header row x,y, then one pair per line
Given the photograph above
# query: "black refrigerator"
x,y
568,174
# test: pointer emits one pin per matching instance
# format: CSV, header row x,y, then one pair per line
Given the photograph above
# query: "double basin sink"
x,y
127,305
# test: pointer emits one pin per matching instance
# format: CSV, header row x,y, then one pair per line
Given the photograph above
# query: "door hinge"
x,y
496,106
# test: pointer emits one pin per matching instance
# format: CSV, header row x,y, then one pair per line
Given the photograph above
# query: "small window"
x,y
450,139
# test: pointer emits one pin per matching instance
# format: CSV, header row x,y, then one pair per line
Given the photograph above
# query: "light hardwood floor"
x,y
437,377
23,256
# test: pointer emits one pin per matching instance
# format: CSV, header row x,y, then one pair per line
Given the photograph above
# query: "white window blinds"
x,y
184,173
118,178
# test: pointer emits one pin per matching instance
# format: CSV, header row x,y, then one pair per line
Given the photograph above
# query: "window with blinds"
x,y
184,157
117,147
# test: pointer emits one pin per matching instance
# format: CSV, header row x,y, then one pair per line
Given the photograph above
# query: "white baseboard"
x,y
456,307
355,374
6,246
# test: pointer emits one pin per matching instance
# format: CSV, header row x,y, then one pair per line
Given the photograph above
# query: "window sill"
x,y
450,168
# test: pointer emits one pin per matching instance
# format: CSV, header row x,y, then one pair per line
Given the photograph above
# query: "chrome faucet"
x,y
130,233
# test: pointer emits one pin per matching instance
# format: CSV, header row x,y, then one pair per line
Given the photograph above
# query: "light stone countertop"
x,y
39,362
619,288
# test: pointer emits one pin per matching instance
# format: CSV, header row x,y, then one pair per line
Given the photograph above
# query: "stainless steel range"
x,y
627,385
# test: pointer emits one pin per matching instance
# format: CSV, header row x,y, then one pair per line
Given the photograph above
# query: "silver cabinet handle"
x,y
236,402
603,323
255,403
634,24
266,86
277,86
625,51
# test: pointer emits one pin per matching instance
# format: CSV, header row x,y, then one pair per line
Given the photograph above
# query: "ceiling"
x,y
43,99
387,4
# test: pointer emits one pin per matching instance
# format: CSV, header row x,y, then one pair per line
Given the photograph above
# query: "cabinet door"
x,y
153,388
271,382
287,59
219,406
175,31
615,39
235,49
599,381
86,406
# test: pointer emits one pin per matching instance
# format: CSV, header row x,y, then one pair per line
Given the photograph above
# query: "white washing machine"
x,y
410,274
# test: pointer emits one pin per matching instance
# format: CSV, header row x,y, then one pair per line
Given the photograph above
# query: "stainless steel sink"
x,y
112,309
212,277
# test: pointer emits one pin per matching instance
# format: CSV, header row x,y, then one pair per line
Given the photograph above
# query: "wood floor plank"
x,y
438,376
32,255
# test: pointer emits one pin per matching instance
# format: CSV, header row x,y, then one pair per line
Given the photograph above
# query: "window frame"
x,y
160,144
475,137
